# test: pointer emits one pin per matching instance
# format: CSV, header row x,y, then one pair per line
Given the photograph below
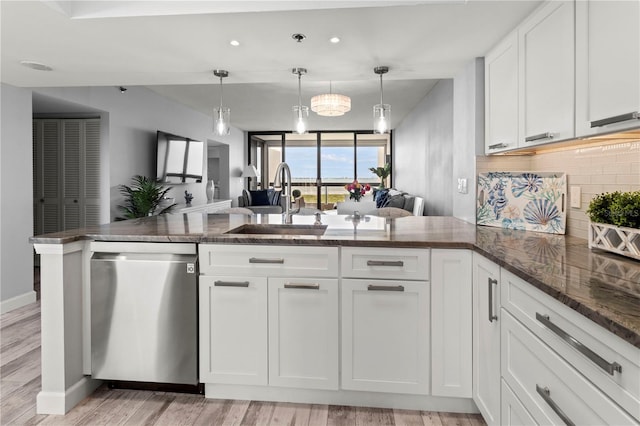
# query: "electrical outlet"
x,y
575,195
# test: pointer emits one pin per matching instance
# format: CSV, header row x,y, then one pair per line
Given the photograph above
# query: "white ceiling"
x,y
172,47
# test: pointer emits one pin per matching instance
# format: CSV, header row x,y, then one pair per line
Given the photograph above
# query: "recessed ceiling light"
x,y
334,40
234,43
36,65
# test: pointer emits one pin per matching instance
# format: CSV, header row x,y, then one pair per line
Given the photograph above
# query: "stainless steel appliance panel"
x,y
144,317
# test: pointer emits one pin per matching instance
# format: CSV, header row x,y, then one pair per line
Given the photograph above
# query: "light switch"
x,y
576,197
462,186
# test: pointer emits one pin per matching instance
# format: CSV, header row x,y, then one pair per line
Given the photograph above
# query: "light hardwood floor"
x,y
20,383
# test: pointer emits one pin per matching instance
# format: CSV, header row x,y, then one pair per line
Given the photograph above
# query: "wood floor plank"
x,y
183,410
476,420
454,419
116,410
236,413
340,415
18,401
214,412
407,418
23,369
319,415
431,418
19,314
284,414
373,416
83,409
258,413
150,410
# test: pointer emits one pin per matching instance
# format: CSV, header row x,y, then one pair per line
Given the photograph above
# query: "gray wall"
x,y
468,136
16,198
129,148
423,151
129,124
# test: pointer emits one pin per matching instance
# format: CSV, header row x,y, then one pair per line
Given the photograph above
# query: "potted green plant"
x,y
382,172
615,223
143,198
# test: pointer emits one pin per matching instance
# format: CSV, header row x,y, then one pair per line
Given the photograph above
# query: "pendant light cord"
x,y
299,91
220,93
381,100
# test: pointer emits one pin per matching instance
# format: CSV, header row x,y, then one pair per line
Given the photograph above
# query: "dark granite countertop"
x,y
603,287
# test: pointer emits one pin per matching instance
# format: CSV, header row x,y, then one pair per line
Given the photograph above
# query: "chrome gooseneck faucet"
x,y
286,188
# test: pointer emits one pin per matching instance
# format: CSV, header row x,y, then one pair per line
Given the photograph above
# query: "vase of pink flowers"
x,y
357,190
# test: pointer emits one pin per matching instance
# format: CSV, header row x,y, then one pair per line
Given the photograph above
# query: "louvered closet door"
x,y
73,181
91,172
47,176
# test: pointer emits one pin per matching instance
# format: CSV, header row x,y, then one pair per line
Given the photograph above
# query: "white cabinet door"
x,y
501,96
608,66
385,336
513,412
303,333
451,308
486,338
546,47
233,330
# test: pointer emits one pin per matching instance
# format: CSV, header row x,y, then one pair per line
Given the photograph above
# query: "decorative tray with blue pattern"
x,y
532,201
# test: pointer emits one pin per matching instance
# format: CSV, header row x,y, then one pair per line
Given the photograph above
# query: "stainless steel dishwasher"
x,y
144,313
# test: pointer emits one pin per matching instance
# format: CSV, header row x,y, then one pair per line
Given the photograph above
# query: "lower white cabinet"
x,y
512,411
233,330
550,389
486,338
385,336
303,333
451,310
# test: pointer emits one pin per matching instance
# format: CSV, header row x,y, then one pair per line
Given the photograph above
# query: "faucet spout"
x,y
286,188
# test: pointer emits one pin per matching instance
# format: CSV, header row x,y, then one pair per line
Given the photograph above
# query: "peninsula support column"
x,y
64,297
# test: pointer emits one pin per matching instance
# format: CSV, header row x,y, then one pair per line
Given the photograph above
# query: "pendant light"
x,y
221,115
330,104
300,112
382,111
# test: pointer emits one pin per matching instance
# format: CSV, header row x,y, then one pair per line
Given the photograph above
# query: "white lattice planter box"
x,y
616,239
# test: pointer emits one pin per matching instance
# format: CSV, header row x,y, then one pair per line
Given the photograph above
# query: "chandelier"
x,y
330,104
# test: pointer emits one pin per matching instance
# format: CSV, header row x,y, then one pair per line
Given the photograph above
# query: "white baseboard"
x,y
17,302
62,402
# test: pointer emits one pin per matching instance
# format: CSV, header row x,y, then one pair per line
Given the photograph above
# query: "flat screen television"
x,y
179,159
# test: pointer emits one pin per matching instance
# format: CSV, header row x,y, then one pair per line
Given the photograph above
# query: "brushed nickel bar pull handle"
x,y
545,393
231,283
616,119
609,367
491,283
385,263
303,286
372,287
498,145
260,260
547,135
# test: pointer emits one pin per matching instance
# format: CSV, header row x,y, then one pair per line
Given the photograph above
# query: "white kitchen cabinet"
x,y
546,74
384,263
303,333
512,411
233,330
550,389
451,308
385,336
501,96
486,338
608,66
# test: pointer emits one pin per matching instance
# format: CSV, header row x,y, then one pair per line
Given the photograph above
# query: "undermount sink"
x,y
261,229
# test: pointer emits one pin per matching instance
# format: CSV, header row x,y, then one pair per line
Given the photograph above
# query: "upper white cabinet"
x,y
486,338
546,46
608,66
501,96
451,323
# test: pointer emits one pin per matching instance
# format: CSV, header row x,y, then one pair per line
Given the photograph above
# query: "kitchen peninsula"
x,y
423,267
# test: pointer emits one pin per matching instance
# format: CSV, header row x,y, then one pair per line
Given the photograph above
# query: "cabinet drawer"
x,y
558,326
406,264
549,388
255,260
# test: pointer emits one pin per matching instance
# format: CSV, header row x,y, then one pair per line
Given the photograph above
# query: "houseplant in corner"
x,y
615,223
142,198
382,172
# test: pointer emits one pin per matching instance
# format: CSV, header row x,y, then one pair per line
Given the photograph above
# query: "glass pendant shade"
x,y
300,119
381,118
221,120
